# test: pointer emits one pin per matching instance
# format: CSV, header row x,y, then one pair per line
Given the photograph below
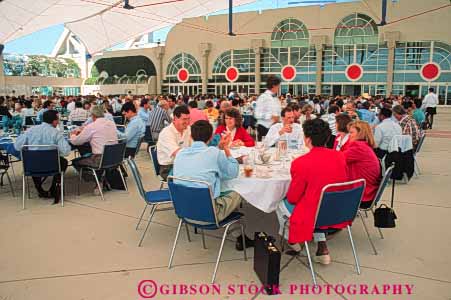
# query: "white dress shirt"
x,y
384,133
267,106
169,140
431,100
273,136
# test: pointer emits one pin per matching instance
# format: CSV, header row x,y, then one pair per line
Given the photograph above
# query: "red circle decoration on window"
x,y
183,75
354,72
288,73
430,71
232,74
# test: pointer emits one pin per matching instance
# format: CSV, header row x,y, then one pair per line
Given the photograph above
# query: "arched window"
x,y
186,61
289,33
356,29
243,60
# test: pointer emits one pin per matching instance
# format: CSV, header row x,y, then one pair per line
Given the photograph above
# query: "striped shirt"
x,y
157,117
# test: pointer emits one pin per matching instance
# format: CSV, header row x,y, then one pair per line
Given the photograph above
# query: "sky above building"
x,y
43,41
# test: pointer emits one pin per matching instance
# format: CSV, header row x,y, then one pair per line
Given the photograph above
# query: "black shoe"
x,y
292,252
44,194
239,243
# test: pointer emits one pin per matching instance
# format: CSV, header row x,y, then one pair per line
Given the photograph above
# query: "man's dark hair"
x,y
49,116
407,104
285,110
209,104
333,109
294,106
46,104
143,102
78,104
418,103
272,81
179,110
385,112
366,105
28,104
318,131
192,104
235,102
431,90
342,122
128,106
201,131
398,109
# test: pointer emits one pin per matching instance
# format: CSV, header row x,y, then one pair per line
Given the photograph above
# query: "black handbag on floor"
x,y
267,262
384,217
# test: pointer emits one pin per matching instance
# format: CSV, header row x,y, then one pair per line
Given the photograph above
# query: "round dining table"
x,y
268,184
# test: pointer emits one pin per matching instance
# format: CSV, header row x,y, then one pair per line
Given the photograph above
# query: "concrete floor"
x,y
88,249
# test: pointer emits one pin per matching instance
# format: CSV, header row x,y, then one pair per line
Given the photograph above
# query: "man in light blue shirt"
x,y
385,131
134,131
46,134
366,114
47,105
143,112
212,165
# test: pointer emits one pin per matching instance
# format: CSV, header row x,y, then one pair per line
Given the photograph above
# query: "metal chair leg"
x,y
123,180
175,243
282,241
416,167
368,234
12,169
187,233
380,231
244,241
98,184
357,265
310,263
28,188
79,181
203,239
142,214
10,184
62,189
152,212
220,253
23,191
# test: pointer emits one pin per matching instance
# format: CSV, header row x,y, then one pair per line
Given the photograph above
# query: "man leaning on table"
x,y
172,139
288,130
47,134
134,131
210,164
267,109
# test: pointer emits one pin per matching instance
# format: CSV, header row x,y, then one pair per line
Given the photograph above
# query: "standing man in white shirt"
x,y
267,110
288,130
429,105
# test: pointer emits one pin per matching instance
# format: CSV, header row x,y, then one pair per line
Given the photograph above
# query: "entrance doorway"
x,y
352,90
413,91
336,90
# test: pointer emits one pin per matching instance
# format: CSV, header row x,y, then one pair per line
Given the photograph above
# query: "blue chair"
x,y
417,150
112,158
41,161
380,191
155,164
118,120
194,205
336,207
152,198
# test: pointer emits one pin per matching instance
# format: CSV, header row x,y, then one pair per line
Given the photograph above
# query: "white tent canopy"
x,y
101,24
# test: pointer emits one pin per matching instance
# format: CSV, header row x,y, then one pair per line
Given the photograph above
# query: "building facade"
x,y
337,49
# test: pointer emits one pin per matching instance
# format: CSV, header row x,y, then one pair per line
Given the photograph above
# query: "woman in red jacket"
x,y
233,124
310,173
361,160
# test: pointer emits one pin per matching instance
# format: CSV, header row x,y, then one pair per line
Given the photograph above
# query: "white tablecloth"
x,y
265,189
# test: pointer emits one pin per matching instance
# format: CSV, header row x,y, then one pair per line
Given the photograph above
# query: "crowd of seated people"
x,y
345,137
